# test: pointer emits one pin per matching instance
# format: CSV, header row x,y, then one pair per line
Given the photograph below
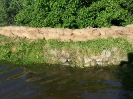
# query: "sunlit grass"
x,y
23,51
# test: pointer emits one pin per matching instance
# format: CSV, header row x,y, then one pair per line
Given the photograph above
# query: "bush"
x,y
9,9
104,13
66,13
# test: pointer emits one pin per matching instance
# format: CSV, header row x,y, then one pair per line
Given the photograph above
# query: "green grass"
x,y
37,52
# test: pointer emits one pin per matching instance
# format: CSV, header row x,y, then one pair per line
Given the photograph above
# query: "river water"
x,y
58,82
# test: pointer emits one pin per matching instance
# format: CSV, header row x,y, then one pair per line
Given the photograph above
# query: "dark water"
x,y
62,83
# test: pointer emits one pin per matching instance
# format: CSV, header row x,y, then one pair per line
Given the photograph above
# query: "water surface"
x,y
58,82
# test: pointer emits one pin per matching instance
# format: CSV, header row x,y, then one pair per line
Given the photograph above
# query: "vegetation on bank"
x,y
25,52
66,13
63,14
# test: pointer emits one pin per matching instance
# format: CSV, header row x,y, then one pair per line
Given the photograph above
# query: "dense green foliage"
x,y
9,9
66,13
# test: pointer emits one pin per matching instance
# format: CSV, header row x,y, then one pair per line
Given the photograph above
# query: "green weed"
x,y
23,51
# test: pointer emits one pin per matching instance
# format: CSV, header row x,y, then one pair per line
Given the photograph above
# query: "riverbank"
x,y
98,52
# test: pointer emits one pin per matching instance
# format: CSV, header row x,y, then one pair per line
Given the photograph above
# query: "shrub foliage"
x,y
66,13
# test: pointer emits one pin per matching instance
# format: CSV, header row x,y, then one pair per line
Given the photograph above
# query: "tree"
x,y
33,14
14,7
104,13
75,13
9,9
3,14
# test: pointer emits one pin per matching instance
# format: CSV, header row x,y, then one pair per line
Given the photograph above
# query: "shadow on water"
x,y
47,81
129,62
125,74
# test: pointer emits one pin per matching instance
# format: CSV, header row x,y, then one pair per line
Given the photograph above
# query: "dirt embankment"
x,y
65,34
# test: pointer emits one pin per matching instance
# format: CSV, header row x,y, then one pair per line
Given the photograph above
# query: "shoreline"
x,y
98,52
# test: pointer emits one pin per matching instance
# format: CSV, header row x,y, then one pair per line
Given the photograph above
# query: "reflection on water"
x,y
13,85
61,83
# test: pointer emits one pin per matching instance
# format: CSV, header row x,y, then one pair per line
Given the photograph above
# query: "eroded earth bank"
x,y
110,46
